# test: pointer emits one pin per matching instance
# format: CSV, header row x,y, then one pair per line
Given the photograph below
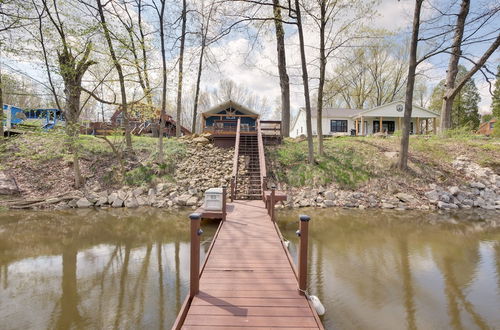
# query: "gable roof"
x,y
233,105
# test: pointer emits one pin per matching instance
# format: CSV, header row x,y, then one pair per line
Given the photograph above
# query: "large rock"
x,y
101,201
454,190
83,203
183,199
406,198
8,185
432,195
478,185
131,202
330,195
192,201
117,203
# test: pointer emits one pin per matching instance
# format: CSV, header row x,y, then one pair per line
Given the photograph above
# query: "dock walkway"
x,y
248,279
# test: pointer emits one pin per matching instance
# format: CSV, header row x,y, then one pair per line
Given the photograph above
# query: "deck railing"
x,y
234,177
270,127
262,159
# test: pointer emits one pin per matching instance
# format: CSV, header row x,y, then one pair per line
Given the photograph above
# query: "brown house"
x,y
144,119
486,128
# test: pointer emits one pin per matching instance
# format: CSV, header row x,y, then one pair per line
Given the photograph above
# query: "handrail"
x,y
235,158
262,157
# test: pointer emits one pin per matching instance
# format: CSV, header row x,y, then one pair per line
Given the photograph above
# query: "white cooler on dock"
x,y
213,199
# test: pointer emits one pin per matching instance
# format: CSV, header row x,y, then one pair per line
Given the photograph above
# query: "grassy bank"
x,y
354,162
41,162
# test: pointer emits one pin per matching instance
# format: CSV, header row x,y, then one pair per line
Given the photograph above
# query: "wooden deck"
x,y
248,278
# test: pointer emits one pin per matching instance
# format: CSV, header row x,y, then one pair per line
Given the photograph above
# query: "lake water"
x,y
123,268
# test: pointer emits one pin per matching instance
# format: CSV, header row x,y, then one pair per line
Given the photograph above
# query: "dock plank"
x,y
248,280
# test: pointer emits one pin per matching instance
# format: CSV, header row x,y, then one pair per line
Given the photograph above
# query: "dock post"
x,y
194,278
224,203
271,202
303,233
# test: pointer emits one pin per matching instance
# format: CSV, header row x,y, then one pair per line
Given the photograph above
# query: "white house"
x,y
365,122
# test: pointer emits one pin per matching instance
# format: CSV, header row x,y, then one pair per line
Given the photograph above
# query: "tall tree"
x,y
322,72
305,81
160,11
410,84
205,19
283,74
181,68
452,87
73,64
119,70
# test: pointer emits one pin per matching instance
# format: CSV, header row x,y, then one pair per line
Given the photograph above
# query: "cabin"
x,y
386,118
486,128
221,121
144,120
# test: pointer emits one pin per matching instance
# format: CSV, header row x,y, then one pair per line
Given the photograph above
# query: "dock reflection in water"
x,y
122,269
394,270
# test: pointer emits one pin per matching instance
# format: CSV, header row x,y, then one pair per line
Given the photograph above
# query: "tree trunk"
x,y
410,85
1,106
121,78
284,80
149,96
197,92
181,62
322,68
72,128
452,72
164,84
305,79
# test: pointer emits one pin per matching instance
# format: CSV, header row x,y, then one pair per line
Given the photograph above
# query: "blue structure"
x,y
49,117
14,114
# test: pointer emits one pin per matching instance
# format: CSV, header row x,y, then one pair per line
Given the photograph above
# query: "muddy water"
x,y
394,270
129,269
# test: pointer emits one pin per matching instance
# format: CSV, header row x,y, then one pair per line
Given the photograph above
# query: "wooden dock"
x,y
248,278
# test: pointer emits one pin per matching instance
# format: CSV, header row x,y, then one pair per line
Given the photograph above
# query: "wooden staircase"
x,y
248,184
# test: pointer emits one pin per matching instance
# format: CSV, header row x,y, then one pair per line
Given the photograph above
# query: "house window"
x,y
338,126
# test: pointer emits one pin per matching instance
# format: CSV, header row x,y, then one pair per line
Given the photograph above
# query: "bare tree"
x,y
305,80
181,69
160,11
119,70
284,79
412,67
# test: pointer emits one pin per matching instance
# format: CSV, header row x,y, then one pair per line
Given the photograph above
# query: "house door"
x,y
387,126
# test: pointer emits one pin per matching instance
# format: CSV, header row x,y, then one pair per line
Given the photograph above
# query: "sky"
x,y
253,65
259,73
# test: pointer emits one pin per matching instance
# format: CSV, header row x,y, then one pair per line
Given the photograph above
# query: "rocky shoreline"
x,y
207,166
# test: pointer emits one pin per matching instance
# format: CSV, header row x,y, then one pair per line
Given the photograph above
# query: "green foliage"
x,y
139,176
341,164
495,103
465,105
463,132
496,129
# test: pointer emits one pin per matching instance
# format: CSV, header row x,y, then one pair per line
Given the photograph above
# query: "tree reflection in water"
x,y
392,270
93,269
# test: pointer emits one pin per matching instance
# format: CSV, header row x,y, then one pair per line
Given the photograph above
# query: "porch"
x,y
366,125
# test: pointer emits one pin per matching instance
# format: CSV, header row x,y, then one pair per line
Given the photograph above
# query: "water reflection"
x,y
114,269
121,269
392,270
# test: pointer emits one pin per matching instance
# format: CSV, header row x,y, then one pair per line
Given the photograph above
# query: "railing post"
x,y
224,203
194,278
264,187
303,233
271,202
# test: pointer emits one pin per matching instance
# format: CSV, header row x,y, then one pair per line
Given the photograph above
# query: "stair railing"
x,y
234,177
262,159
